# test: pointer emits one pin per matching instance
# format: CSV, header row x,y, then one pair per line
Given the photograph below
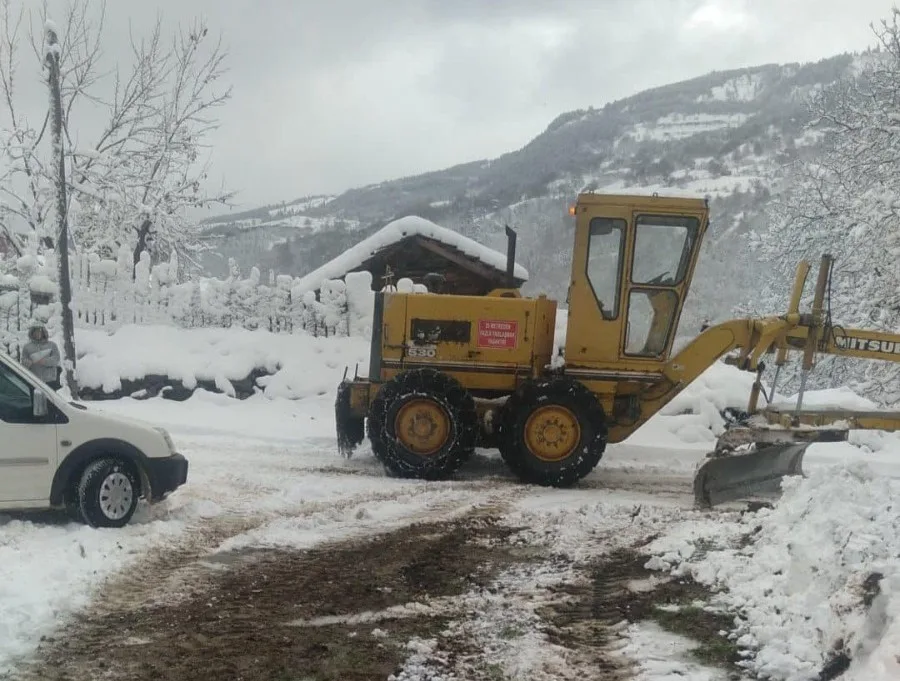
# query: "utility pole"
x,y
51,56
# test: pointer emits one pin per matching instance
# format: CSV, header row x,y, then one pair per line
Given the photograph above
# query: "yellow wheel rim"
x,y
552,433
422,426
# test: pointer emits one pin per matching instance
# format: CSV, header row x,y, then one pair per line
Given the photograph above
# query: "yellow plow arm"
x,y
756,452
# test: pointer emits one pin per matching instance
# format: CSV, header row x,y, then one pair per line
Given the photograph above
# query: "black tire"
x,y
72,507
351,430
583,457
108,492
461,420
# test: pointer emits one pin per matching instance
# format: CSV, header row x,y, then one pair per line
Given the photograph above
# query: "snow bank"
x,y
361,303
301,365
830,398
694,417
718,387
391,234
48,571
818,577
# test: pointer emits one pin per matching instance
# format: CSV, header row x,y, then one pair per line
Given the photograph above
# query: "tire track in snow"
x,y
182,570
245,624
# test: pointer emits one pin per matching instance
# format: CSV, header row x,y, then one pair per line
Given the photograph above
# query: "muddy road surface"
x,y
465,598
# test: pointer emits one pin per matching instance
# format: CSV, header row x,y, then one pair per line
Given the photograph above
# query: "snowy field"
x,y
813,576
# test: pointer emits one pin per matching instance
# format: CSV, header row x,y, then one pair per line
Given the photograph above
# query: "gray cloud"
x,y
329,95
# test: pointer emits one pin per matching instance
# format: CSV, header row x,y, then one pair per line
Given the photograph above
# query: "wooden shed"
x,y
414,248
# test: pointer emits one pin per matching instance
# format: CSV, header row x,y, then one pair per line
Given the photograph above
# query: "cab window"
x,y
651,315
604,263
662,248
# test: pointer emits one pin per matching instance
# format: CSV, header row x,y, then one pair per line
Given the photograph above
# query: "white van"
x,y
58,454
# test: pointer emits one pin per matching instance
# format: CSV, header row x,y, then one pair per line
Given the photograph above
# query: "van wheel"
x,y
108,493
72,507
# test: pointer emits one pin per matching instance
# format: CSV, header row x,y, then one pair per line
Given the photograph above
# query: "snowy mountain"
x,y
725,135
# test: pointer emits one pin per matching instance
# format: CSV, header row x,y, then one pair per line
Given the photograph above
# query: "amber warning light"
x,y
571,210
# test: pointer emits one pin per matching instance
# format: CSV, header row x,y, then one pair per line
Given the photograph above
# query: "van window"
x,y
15,397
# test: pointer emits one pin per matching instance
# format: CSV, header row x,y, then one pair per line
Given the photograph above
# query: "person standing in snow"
x,y
41,356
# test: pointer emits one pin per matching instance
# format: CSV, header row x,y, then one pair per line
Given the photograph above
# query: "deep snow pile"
x,y
301,365
693,419
816,577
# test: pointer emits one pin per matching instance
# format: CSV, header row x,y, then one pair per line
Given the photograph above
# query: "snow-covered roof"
x,y
398,230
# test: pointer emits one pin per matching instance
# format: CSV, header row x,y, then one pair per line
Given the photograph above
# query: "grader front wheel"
x,y
423,424
553,432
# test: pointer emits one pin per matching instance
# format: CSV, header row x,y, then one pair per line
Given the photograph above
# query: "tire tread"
x,y
424,382
591,416
88,486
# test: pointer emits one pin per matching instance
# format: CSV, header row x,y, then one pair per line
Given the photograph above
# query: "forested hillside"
x,y
726,135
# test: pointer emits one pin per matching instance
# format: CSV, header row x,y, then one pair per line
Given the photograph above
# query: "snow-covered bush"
x,y
107,295
360,303
27,295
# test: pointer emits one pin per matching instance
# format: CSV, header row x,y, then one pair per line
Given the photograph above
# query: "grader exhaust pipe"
x,y
511,237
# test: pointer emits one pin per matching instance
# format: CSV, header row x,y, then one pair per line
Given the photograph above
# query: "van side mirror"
x,y
39,404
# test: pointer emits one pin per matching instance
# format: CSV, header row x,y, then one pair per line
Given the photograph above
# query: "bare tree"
x,y
51,55
24,189
146,172
136,183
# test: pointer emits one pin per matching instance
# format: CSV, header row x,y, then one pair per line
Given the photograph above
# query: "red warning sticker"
x,y
498,333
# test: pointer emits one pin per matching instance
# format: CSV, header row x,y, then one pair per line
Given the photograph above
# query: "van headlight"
x,y
168,438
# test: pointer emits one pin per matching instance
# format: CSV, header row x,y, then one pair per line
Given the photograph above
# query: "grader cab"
x,y
450,373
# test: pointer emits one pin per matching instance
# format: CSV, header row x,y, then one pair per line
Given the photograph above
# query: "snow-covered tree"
x,y
135,181
846,201
26,185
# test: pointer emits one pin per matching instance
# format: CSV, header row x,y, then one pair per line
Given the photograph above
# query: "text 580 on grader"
x,y
450,373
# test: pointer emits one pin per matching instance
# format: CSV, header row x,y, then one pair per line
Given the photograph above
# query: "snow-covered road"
x,y
265,475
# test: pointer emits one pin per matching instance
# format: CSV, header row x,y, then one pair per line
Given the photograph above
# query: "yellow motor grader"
x,y
450,373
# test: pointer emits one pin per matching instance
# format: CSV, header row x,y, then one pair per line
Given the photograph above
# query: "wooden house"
x,y
415,248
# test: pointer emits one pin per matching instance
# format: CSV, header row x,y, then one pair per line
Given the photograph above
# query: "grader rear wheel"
x,y
553,432
423,424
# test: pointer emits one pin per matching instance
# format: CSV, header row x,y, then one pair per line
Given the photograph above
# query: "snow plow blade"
x,y
734,476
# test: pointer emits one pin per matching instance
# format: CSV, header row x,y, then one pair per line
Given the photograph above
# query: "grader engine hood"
x,y
489,343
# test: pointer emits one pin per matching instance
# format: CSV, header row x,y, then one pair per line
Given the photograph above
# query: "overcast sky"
x,y
334,94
